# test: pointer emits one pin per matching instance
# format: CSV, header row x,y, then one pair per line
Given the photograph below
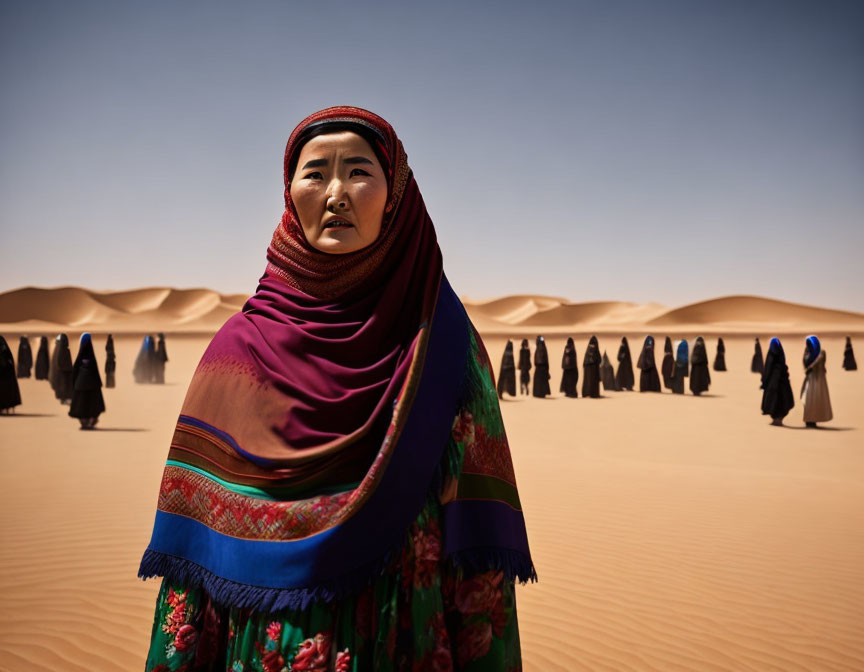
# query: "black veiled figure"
x,y
607,374
61,373
666,368
143,369
624,377
777,396
849,363
160,357
524,366
507,375
757,365
591,370
43,360
570,370
681,369
87,402
541,369
110,362
649,380
700,376
10,394
25,358
720,359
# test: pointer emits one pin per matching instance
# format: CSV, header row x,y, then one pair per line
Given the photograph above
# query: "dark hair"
x,y
314,130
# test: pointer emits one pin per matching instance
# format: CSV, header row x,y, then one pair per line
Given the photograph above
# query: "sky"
x,y
665,150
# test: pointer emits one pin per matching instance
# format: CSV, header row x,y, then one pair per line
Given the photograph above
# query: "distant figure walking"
x,y
160,360
849,363
607,374
757,365
10,394
681,369
591,370
524,367
541,369
61,374
87,402
25,357
814,391
700,376
624,377
43,360
570,370
507,374
720,359
143,369
110,362
777,397
668,365
649,380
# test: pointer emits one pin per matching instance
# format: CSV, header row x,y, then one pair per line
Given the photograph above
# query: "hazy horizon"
x,y
668,152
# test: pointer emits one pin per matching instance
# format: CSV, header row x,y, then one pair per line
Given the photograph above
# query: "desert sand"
x,y
669,533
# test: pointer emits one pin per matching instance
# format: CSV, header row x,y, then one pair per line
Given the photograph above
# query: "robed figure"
x,y
524,367
541,369
649,379
625,377
777,396
110,362
507,374
814,390
87,402
607,374
681,369
569,370
849,363
700,376
145,362
591,370
160,358
720,357
43,360
757,365
10,394
61,374
25,357
668,364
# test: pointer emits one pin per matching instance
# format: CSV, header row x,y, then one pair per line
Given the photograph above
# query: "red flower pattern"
x,y
274,631
473,642
480,594
343,660
312,654
185,638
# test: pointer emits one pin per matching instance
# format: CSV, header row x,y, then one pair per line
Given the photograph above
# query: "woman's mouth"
x,y
338,224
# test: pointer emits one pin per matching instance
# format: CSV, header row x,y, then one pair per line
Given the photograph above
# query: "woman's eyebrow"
x,y
314,163
358,159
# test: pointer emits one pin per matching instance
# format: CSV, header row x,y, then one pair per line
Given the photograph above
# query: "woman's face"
x,y
339,190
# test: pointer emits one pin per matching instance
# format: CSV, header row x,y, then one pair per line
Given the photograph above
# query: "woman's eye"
x,y
315,175
358,171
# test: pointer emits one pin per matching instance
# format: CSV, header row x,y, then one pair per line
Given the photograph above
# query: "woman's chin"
x,y
339,242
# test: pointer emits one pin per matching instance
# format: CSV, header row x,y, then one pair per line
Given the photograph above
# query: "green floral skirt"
x,y
422,613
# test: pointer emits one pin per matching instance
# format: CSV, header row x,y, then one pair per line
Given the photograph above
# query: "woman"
x,y
160,357
25,357
777,397
507,376
849,363
110,362
524,367
700,376
87,402
10,395
649,381
43,360
61,373
681,369
756,364
668,365
541,387
814,391
720,357
624,377
607,374
333,419
142,371
591,370
570,370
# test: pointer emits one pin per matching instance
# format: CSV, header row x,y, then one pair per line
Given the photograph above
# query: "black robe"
x,y
10,395
649,379
757,365
777,396
43,360
700,376
570,370
607,375
524,367
624,377
679,373
541,371
591,372
25,358
507,375
61,374
110,362
87,401
720,359
668,364
143,369
849,363
160,357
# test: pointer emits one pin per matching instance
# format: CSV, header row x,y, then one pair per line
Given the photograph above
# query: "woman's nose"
x,y
337,200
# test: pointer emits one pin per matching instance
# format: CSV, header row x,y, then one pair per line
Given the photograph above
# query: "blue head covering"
x,y
649,341
813,348
683,354
777,348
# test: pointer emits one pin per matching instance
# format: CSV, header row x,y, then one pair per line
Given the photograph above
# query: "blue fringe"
x,y
514,564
